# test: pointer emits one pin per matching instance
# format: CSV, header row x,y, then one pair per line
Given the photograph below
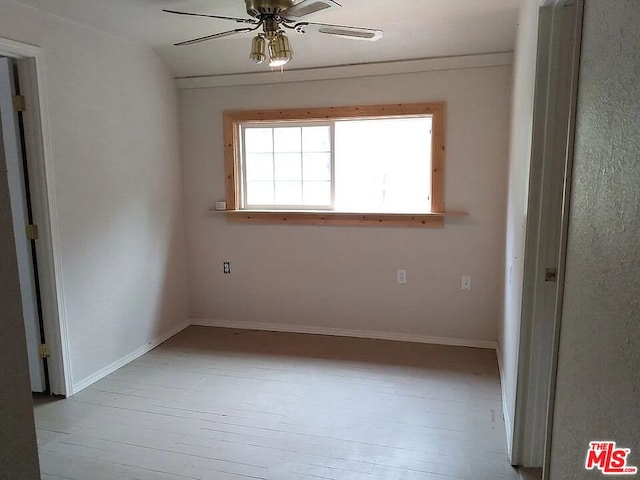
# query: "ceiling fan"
x,y
277,16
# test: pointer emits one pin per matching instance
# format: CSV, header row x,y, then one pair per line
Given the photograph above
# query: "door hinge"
x,y
550,274
44,351
32,232
19,103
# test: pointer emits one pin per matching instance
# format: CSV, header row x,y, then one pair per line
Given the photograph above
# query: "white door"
x,y
13,154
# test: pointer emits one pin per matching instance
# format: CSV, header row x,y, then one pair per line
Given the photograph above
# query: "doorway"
x,y
27,154
12,108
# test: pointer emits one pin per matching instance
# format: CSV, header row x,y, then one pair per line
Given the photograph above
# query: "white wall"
x,y
117,184
598,386
519,160
344,277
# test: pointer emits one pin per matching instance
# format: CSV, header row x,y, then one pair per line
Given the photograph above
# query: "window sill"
x,y
335,218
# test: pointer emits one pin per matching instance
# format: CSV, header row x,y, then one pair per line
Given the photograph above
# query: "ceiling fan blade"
x,y
215,35
234,19
305,8
356,33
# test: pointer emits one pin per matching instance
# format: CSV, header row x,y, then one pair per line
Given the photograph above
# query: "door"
x,y
13,147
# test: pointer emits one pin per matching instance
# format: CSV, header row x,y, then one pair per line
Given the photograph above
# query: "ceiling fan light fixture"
x,y
258,49
280,52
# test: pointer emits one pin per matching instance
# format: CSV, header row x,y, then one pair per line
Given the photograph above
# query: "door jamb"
x,y
564,231
43,191
546,236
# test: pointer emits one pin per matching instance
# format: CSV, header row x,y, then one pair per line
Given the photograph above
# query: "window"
x,y
372,164
287,166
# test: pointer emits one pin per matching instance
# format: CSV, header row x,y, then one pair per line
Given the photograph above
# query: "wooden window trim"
x,y
232,120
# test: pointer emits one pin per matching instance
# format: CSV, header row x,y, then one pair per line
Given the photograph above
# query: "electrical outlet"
x,y
466,282
401,276
226,267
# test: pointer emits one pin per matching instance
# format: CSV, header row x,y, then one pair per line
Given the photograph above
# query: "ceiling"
x,y
413,29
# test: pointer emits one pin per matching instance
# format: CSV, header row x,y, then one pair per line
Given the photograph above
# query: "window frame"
x,y
233,178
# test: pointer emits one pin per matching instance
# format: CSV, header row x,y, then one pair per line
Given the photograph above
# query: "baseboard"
x,y
505,406
121,362
340,332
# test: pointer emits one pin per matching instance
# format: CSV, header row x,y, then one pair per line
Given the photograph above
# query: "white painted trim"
x,y
341,332
505,405
349,71
130,357
563,232
552,120
59,365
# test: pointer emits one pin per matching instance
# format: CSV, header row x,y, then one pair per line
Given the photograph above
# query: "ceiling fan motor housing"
x,y
256,8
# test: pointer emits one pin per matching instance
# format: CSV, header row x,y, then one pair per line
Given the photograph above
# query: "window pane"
x,y
288,166
383,165
317,194
259,167
288,193
316,139
317,167
287,139
260,193
258,140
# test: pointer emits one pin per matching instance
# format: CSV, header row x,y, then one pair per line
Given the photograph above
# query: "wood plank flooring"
x,y
226,404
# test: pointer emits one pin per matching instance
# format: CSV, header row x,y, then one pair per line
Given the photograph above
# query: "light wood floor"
x,y
226,404
530,473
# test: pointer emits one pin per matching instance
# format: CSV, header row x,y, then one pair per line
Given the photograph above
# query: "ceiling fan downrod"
x,y
260,8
